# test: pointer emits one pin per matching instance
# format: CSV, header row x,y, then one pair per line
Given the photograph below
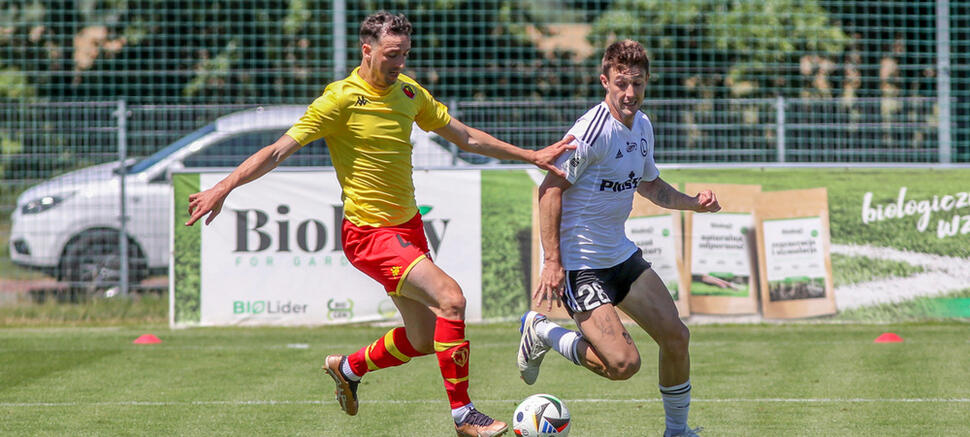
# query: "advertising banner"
x,y
274,254
899,245
899,237
720,251
793,253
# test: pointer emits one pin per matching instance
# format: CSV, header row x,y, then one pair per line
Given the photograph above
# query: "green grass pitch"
x,y
793,380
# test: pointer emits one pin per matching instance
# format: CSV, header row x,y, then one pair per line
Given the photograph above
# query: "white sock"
x,y
348,372
560,339
459,413
676,405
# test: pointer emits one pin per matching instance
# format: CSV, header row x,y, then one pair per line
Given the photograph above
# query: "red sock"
x,y
393,349
453,357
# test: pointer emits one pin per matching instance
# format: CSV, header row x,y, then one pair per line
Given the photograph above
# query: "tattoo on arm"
x,y
663,195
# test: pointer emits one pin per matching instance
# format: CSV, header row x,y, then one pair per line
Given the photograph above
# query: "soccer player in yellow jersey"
x,y
366,121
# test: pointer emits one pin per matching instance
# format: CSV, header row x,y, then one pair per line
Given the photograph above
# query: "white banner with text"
x,y
274,256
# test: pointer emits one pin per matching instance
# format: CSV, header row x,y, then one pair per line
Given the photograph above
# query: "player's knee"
x,y
676,340
624,369
452,302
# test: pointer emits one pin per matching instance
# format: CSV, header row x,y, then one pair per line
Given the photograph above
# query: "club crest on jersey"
x,y
643,147
408,91
630,146
618,186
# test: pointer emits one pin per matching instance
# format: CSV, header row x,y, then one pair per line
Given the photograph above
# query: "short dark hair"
x,y
627,54
383,23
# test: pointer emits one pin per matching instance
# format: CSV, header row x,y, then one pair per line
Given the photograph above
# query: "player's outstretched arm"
x,y
661,193
552,275
473,140
210,201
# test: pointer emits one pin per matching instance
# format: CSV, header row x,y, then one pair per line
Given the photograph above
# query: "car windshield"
x,y
231,151
171,148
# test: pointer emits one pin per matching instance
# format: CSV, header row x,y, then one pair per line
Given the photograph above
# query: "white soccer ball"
x,y
541,415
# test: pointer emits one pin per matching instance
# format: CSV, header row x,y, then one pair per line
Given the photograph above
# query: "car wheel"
x,y
92,261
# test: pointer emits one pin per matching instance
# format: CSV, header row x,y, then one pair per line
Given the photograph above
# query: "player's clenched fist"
x,y
707,202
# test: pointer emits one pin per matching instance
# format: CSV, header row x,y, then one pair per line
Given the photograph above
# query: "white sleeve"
x,y
574,162
650,170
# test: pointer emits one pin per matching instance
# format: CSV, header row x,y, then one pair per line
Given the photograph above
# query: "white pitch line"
x,y
748,400
475,345
152,403
432,401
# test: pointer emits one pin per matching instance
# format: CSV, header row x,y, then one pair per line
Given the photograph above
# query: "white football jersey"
x,y
604,170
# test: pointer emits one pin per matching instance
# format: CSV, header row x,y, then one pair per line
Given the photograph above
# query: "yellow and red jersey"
x,y
368,132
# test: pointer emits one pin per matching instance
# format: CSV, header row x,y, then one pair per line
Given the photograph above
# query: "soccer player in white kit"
x,y
588,260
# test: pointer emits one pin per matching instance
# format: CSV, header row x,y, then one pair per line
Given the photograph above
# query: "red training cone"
x,y
888,337
147,339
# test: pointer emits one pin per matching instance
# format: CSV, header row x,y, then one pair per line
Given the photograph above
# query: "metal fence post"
x,y
943,79
780,128
122,115
455,111
339,39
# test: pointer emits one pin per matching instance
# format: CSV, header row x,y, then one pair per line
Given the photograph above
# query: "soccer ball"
x,y
541,415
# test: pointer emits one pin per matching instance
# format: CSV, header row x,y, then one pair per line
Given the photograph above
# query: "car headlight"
x,y
42,204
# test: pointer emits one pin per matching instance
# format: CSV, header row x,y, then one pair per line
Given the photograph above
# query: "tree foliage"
x,y
257,51
467,49
707,48
166,51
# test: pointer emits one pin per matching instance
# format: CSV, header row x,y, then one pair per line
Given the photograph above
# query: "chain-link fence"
x,y
768,81
744,130
255,52
63,185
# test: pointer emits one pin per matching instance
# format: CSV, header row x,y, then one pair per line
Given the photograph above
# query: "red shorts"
x,y
386,253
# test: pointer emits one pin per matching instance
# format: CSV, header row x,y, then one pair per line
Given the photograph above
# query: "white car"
x,y
68,226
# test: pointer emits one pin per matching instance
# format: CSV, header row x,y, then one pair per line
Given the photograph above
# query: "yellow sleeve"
x,y
433,114
319,120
